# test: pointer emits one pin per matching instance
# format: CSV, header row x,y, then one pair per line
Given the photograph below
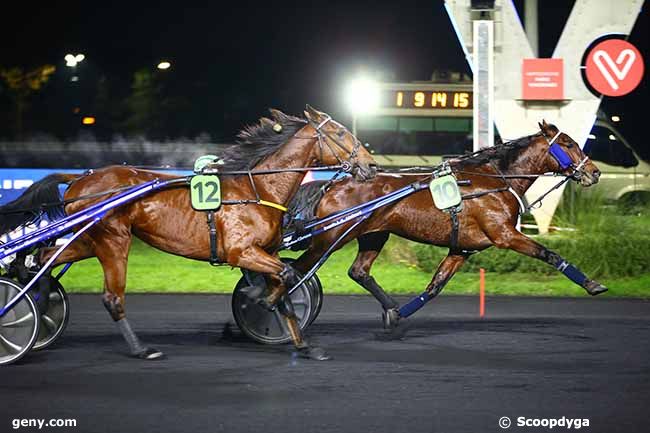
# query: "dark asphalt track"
x,y
579,358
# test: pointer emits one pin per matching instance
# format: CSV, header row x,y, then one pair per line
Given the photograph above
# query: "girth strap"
x,y
214,260
453,240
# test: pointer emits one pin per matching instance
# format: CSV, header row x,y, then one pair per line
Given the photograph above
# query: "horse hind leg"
x,y
370,245
113,257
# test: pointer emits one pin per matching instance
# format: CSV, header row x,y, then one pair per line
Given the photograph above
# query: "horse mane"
x,y
256,142
503,153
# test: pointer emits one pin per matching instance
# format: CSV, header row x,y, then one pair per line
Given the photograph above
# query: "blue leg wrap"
x,y
414,304
572,273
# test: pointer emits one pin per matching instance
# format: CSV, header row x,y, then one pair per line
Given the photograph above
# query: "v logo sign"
x,y
605,64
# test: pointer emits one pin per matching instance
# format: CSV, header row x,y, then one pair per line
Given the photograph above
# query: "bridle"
x,y
322,137
563,159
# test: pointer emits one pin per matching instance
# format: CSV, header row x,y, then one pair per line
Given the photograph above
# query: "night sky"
x,y
232,61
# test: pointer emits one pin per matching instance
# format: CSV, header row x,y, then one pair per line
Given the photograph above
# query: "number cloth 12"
x,y
205,192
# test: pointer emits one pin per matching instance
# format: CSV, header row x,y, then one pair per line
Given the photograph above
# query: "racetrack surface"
x,y
453,372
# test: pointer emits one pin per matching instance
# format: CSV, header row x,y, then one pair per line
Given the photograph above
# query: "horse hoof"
x,y
598,290
398,332
150,354
594,288
390,318
315,353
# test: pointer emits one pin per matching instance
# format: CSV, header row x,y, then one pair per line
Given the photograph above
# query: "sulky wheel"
x,y
55,318
269,327
316,290
19,326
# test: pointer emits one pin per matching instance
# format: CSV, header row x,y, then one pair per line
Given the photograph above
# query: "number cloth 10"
x,y
205,192
445,192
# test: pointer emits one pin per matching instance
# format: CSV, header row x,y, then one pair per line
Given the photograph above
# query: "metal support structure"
x,y
530,21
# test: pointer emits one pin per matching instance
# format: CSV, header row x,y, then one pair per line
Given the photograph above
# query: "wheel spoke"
x,y
11,347
7,290
49,322
55,297
280,319
18,322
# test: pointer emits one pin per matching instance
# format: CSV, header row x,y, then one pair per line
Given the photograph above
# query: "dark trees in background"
x,y
20,86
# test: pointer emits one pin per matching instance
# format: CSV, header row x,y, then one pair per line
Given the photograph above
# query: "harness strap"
x,y
453,240
214,260
522,206
478,194
273,205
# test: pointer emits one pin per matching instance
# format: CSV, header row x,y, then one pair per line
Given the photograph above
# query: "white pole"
x,y
530,21
483,60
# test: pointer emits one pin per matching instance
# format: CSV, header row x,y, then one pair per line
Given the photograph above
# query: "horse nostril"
x,y
596,174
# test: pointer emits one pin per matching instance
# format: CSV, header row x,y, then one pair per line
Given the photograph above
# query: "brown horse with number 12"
x,y
248,233
497,178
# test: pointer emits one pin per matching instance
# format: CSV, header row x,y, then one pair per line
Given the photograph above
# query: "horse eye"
x,y
340,133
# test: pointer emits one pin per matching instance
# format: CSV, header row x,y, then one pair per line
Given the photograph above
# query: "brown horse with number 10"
x,y
494,180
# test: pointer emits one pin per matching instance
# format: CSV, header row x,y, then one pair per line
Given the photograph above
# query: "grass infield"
x,y
152,271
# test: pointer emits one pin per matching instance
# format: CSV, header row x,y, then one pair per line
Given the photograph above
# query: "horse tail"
x,y
305,202
41,196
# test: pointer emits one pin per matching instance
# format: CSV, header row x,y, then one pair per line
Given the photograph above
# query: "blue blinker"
x,y
560,156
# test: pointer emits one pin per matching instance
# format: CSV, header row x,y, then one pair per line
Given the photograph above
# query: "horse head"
x,y
339,146
564,156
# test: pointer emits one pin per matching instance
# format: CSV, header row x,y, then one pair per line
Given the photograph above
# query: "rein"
x,y
556,151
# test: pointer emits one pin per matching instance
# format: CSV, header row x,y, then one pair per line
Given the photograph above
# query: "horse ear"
x,y
312,111
544,127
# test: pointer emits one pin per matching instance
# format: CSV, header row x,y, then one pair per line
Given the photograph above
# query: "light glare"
x,y
72,60
362,95
616,119
164,65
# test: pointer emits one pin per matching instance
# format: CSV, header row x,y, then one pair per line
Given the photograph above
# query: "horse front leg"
x,y
519,242
446,269
278,276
